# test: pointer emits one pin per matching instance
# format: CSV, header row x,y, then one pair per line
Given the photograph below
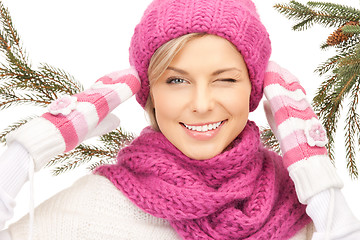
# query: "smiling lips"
x,y
203,132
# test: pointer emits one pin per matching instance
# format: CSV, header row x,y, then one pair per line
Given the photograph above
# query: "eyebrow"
x,y
217,72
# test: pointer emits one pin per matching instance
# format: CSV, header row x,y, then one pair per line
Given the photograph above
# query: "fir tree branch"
x,y
351,29
322,93
64,80
307,16
80,155
343,69
44,85
344,50
352,129
47,81
329,64
13,127
15,81
330,117
93,166
21,84
269,140
337,10
11,34
10,99
297,11
106,152
331,106
116,139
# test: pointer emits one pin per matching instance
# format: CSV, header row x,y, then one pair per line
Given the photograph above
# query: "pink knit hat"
x,y
234,20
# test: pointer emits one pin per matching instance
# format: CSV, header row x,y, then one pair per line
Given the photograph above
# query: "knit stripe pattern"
x,y
242,193
235,20
296,126
93,105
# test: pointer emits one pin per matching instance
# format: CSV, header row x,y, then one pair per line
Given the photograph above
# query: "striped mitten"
x,y
300,134
296,126
72,119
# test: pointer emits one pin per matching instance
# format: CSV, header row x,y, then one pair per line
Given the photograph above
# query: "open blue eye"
x,y
175,81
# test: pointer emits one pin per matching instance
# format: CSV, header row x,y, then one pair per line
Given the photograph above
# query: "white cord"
x,y
31,204
330,218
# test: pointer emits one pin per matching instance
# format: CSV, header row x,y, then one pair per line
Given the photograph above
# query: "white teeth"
x,y
204,128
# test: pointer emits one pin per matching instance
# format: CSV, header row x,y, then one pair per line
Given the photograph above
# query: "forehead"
x,y
207,53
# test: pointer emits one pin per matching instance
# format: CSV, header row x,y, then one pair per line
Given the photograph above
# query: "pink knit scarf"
x,y
242,193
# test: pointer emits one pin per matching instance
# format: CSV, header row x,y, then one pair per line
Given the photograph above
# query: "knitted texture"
x,y
92,209
234,20
243,193
295,124
72,119
93,105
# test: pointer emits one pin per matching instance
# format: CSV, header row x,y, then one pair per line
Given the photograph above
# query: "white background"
x,y
91,38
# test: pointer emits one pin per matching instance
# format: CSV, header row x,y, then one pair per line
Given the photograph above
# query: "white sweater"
x,y
93,208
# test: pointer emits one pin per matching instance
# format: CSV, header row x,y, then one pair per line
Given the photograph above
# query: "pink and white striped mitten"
x,y
72,119
301,136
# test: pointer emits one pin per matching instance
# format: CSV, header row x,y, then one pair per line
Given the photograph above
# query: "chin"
x,y
202,154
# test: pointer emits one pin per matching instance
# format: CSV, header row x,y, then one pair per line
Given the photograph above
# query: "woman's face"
x,y
202,99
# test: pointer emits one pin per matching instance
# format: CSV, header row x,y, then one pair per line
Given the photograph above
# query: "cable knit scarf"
x,y
242,193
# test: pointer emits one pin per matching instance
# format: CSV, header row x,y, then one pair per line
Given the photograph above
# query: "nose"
x,y
202,101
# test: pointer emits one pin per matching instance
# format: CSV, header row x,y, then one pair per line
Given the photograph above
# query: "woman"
x,y
199,172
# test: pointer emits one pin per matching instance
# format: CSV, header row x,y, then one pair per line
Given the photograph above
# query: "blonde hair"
x,y
159,62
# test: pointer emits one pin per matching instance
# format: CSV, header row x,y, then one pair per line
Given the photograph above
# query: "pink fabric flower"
x,y
63,105
315,133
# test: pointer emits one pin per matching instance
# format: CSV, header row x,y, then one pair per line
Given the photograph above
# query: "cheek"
x,y
167,106
237,105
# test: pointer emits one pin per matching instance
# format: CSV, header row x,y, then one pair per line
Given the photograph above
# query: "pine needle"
x,y
13,127
341,72
21,84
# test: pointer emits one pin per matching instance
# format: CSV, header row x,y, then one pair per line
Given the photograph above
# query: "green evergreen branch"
x,y
339,10
322,93
80,155
351,29
350,68
116,139
106,152
64,80
344,50
21,84
330,117
46,84
308,15
294,10
8,26
330,108
16,60
269,140
297,11
10,99
328,65
15,63
351,130
13,127
12,36
342,71
83,152
47,81
101,162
